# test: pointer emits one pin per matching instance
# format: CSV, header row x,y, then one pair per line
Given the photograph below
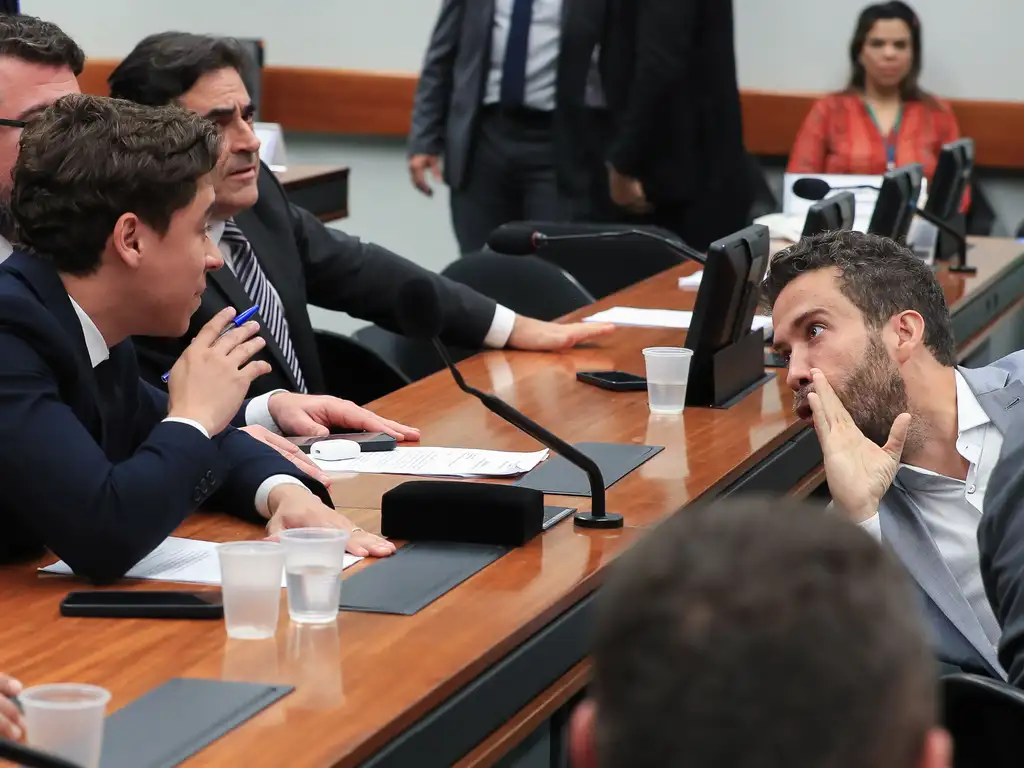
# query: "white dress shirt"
x,y
497,335
541,58
952,508
257,412
6,249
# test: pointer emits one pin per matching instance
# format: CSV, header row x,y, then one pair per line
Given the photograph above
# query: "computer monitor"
x,y
831,214
947,189
728,359
894,211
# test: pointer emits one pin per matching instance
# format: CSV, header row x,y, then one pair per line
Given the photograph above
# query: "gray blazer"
x,y
454,76
956,634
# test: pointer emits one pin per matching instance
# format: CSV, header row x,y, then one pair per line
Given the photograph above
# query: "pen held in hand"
x,y
238,322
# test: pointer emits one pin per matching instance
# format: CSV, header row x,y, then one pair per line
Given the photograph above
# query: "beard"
x,y
7,226
873,393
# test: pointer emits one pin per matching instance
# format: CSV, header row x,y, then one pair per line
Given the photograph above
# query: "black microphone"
x,y
420,317
819,189
27,757
519,240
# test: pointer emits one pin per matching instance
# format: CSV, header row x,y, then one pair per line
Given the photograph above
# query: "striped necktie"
x,y
255,283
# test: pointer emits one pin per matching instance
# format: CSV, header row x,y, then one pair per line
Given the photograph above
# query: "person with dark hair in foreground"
x,y
283,254
112,203
909,438
759,634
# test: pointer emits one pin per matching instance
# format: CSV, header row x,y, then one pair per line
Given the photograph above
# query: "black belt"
x,y
520,114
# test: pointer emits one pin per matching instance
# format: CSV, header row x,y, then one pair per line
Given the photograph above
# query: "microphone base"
x,y
607,521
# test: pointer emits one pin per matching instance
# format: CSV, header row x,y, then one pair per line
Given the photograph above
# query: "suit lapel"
x,y
225,280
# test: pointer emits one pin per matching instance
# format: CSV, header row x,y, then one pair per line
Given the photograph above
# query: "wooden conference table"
x,y
320,189
486,668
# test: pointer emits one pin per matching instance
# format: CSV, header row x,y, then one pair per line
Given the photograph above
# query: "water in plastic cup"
x,y
668,369
250,575
313,561
66,719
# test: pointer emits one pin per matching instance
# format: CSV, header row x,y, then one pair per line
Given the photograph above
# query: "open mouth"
x,y
244,173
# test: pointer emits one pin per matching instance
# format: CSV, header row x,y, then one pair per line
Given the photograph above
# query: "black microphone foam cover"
x,y
419,309
513,240
811,189
473,513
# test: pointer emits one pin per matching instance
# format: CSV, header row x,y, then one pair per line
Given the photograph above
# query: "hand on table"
x,y
12,726
293,506
290,451
314,415
539,336
858,471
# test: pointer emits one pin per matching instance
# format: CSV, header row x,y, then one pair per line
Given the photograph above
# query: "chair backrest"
x,y
525,284
986,720
414,358
354,371
603,266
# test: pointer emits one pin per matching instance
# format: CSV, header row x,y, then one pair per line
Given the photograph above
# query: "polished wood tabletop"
x,y
320,189
361,682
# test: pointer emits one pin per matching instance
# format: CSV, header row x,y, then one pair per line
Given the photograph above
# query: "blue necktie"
x,y
513,72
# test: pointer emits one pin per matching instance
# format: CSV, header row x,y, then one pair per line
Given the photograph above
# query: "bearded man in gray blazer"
x,y
909,439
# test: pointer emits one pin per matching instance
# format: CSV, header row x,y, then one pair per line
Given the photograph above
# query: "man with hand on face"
x,y
909,439
112,204
283,257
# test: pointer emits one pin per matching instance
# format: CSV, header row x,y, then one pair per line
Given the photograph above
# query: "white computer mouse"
x,y
334,450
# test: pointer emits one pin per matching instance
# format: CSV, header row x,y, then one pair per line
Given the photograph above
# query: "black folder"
x,y
616,460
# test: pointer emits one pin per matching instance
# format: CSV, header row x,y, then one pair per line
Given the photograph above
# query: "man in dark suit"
x,y
510,100
281,256
98,466
677,158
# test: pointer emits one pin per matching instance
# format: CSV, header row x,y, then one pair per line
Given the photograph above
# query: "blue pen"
x,y
238,322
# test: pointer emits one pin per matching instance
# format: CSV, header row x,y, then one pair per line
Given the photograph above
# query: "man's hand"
x,y
211,378
290,451
419,166
858,471
627,192
314,415
292,506
12,726
539,336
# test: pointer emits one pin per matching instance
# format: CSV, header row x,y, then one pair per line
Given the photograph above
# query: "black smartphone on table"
x,y
368,441
616,381
143,604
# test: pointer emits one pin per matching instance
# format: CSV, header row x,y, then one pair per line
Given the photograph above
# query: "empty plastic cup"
x,y
313,561
668,369
250,578
66,719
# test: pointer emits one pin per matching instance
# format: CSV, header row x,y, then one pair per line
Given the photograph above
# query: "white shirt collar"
x,y
94,342
217,231
6,249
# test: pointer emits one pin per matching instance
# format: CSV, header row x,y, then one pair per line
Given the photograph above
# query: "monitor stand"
x,y
726,377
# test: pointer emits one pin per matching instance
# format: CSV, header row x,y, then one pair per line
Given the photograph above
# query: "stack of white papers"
x,y
659,318
691,281
438,462
186,560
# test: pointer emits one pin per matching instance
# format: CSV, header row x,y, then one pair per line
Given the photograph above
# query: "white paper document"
x,y
438,462
659,318
691,281
186,560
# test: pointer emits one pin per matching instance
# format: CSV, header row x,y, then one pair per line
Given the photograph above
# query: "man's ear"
x,y
125,240
907,331
583,736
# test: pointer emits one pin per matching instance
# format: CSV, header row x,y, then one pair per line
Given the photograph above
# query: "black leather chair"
x,y
355,371
986,720
602,266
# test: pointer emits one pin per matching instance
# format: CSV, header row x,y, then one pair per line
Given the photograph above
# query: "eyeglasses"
x,y
12,123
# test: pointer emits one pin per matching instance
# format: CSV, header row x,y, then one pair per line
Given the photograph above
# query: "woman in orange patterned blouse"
x,y
883,119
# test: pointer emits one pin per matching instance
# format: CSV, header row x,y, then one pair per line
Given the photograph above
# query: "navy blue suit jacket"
x,y
101,482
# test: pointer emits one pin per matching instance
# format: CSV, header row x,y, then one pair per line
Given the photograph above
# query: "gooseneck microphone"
x,y
520,240
420,317
819,189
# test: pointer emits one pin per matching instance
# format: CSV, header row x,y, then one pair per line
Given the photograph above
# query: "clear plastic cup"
x,y
668,369
66,719
250,577
313,561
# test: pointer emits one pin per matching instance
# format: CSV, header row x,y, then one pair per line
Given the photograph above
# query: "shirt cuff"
x,y
191,423
257,412
873,526
501,327
263,492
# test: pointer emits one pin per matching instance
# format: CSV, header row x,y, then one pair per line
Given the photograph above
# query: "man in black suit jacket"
x,y
510,100
677,157
97,465
281,256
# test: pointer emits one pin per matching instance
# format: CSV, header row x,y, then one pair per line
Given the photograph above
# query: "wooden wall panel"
x,y
380,104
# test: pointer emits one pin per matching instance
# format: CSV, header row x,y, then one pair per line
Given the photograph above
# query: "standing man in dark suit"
x,y
112,203
281,256
510,102
677,158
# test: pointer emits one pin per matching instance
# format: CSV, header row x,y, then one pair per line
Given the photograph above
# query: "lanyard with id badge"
x,y
890,138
